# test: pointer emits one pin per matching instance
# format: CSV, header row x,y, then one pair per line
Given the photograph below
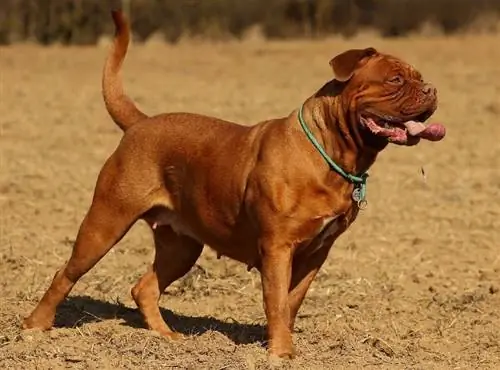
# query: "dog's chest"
x,y
329,226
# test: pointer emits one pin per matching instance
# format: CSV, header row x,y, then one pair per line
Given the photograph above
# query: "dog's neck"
x,y
336,128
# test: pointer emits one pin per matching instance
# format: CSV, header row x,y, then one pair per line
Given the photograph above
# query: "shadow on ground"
x,y
79,310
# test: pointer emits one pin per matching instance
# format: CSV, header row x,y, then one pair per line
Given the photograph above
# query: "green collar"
x,y
359,192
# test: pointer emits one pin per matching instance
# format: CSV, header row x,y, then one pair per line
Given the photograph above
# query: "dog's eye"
x,y
396,80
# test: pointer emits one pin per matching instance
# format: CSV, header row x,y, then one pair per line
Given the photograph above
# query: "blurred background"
x,y
83,22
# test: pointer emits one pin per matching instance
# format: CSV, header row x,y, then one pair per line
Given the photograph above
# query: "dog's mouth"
x,y
403,132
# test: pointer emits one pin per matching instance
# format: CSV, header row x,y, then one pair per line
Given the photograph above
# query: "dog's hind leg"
x,y
114,210
175,255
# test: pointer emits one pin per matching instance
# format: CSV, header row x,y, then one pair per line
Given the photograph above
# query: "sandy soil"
x,y
414,284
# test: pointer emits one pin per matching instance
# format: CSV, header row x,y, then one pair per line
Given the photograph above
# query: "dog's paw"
x,y
170,335
176,336
276,361
279,356
36,324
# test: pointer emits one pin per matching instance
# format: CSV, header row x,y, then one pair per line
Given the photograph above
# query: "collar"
x,y
359,192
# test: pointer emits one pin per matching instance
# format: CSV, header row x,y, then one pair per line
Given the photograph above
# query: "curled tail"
x,y
120,107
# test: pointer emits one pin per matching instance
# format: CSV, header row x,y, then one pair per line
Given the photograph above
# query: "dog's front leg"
x,y
304,271
276,275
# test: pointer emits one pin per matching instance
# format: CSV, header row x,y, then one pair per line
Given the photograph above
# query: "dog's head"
x,y
388,97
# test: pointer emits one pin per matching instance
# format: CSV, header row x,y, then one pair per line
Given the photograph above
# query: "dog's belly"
x,y
240,246
169,218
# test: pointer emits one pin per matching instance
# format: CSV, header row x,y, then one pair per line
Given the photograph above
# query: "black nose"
x,y
429,89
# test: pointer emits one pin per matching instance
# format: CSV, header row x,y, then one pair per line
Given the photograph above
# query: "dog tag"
x,y
362,204
356,195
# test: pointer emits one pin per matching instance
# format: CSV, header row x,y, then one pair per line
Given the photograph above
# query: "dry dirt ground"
x,y
414,284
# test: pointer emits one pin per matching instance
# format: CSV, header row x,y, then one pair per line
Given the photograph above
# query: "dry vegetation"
x,y
414,284
84,22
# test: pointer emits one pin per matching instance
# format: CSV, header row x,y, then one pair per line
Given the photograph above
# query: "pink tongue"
x,y
433,132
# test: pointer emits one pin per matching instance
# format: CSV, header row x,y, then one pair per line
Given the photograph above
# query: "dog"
x,y
274,196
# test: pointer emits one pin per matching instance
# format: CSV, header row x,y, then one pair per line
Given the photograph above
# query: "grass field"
x,y
414,284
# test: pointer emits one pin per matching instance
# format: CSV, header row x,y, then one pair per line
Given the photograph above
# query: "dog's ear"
x,y
344,65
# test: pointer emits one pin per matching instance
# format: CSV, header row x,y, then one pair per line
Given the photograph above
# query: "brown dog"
x,y
262,195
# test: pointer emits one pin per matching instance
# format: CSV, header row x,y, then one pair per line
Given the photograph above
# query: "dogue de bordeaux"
x,y
274,196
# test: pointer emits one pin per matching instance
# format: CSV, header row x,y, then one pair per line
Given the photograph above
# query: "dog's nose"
x,y
429,89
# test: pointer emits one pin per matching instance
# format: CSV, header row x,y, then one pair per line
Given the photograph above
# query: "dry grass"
x,y
414,283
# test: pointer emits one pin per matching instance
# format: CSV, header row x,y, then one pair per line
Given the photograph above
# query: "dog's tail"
x,y
120,107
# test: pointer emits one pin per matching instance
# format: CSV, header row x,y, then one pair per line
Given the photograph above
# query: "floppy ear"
x,y
345,64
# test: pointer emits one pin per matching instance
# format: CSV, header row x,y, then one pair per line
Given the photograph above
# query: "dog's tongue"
x,y
433,131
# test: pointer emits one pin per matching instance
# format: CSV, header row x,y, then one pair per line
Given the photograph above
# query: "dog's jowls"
x,y
262,195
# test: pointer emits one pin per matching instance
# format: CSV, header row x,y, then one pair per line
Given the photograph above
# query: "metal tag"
x,y
362,204
356,195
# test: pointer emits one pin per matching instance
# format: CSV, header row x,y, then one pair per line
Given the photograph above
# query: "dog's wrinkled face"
x,y
389,97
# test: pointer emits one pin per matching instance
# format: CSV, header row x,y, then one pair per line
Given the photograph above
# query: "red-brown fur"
x,y
261,195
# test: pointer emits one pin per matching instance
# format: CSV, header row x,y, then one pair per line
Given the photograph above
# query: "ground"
x,y
414,284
